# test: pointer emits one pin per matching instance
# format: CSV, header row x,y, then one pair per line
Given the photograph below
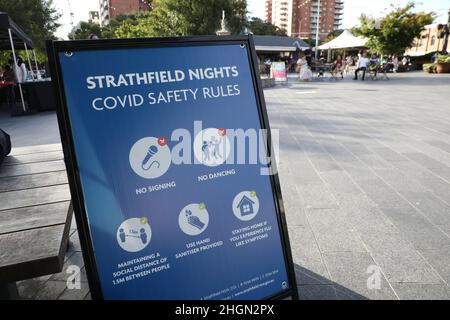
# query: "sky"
x,y
352,10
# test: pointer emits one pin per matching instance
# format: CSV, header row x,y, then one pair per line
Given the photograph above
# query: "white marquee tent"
x,y
345,40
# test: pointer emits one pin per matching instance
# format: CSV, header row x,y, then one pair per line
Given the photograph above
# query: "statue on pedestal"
x,y
223,31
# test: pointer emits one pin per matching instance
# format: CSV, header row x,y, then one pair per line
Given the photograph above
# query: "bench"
x,y
35,215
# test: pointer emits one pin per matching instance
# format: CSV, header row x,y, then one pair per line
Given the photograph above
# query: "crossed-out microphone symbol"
x,y
147,163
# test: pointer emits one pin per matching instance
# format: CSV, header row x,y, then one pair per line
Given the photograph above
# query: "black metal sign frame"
x,y
55,47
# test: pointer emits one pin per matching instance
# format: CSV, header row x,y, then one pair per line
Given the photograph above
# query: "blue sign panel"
x,y
176,205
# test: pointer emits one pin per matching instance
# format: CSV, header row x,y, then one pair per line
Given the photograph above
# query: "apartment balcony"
x,y
104,14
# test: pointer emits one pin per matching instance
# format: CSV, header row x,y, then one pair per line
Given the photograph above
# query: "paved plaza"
x,y
365,175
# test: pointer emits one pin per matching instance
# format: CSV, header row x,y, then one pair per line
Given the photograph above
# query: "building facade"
x,y
428,42
110,9
268,11
94,17
300,17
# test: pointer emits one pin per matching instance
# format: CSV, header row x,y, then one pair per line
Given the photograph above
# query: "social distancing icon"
x,y
134,234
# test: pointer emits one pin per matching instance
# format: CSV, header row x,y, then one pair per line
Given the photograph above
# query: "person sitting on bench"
x,y
362,66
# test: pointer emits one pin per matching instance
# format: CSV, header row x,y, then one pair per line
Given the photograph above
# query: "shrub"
x,y
428,66
443,59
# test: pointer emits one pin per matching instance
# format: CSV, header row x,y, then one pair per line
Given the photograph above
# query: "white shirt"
x,y
363,62
21,72
24,72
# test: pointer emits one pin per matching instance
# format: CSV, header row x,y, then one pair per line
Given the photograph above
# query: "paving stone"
x,y
440,144
413,291
387,153
431,164
415,228
339,238
316,196
76,259
439,260
435,184
317,292
75,294
354,270
398,259
307,256
51,290
383,195
28,288
375,161
324,163
75,242
430,206
360,212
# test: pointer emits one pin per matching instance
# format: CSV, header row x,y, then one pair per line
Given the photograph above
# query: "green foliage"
x,y
152,24
333,35
394,33
201,17
260,27
115,23
312,42
85,30
180,18
428,66
38,18
443,59
166,23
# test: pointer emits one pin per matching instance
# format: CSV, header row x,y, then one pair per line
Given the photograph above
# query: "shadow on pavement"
x,y
312,286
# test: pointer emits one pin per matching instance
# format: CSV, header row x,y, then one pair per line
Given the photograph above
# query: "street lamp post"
x,y
317,29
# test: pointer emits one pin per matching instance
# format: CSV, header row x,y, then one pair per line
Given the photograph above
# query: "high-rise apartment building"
x,y
269,11
300,17
110,9
94,17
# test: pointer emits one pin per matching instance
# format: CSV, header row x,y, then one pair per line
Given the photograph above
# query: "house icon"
x,y
245,206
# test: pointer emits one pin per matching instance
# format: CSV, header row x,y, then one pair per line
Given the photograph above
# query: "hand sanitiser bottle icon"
x,y
147,163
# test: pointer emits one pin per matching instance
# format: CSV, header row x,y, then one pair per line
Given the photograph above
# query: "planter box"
x,y
442,67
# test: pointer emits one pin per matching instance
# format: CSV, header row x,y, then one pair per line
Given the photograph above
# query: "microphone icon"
x,y
147,163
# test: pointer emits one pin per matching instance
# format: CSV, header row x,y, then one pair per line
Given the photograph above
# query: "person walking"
x,y
363,62
268,66
305,72
395,62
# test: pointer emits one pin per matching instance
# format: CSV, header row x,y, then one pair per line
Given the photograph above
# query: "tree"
x,y
109,31
137,26
181,18
201,17
333,35
85,30
38,18
260,27
394,33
